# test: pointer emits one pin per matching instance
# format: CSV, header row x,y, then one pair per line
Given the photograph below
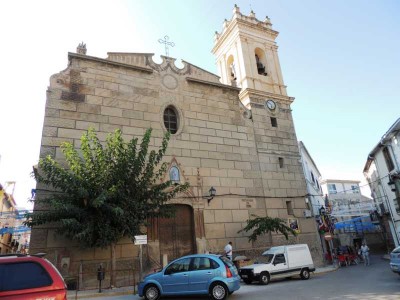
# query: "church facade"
x,y
232,132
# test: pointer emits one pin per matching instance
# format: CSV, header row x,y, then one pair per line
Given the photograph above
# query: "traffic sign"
x,y
328,236
140,239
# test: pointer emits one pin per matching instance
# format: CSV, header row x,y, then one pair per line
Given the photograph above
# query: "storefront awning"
x,y
357,224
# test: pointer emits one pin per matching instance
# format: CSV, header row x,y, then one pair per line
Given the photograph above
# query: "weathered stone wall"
x,y
214,146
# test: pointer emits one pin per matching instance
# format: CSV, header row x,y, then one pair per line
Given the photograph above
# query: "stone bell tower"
x,y
247,56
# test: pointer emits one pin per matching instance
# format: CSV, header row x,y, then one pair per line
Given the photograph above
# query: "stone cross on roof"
x,y
166,43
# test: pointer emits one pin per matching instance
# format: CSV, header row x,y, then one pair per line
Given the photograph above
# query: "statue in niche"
x,y
174,174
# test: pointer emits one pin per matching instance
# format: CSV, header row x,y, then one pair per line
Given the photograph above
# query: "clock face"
x,y
271,104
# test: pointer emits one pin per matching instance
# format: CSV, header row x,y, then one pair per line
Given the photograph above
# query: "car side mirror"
x,y
167,272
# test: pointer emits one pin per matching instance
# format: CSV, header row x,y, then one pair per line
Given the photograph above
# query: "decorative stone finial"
x,y
216,35
236,9
267,21
81,49
225,24
252,14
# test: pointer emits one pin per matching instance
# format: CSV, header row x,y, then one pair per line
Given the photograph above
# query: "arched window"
x,y
171,119
260,61
232,69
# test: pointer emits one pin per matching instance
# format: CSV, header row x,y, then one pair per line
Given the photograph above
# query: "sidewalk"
x,y
130,290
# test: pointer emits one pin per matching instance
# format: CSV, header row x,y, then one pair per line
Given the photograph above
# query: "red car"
x,y
30,277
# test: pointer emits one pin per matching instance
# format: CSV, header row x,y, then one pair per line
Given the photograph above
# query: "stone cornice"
x,y
280,153
220,85
108,62
263,94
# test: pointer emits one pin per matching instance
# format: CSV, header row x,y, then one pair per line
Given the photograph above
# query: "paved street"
x,y
375,282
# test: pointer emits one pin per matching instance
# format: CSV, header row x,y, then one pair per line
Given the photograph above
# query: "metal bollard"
x,y
100,275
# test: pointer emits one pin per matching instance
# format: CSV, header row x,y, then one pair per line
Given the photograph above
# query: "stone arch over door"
x,y
177,234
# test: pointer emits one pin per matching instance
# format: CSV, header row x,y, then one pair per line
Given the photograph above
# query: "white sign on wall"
x,y
140,239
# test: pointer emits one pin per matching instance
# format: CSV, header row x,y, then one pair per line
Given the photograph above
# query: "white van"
x,y
280,262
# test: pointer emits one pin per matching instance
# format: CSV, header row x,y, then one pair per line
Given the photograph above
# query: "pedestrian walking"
x,y
365,253
228,250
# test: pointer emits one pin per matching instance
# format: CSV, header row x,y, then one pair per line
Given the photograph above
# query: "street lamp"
x,y
212,191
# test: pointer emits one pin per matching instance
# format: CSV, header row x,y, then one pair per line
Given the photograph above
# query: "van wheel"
x,y
249,281
151,292
264,278
218,291
305,274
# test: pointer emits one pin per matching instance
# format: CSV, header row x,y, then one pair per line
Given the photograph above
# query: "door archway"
x,y
176,234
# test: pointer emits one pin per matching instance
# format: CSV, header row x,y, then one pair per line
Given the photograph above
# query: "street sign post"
x,y
140,240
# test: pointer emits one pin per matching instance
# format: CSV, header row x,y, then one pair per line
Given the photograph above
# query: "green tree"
x,y
103,193
262,225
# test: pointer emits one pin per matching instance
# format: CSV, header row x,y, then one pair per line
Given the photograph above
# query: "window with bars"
x,y
171,119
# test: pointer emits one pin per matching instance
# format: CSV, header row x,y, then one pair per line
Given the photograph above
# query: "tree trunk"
x,y
113,276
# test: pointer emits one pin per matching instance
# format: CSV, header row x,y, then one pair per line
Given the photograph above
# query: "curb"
x,y
73,296
326,271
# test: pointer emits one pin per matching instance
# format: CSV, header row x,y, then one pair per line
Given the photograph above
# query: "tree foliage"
x,y
262,225
104,192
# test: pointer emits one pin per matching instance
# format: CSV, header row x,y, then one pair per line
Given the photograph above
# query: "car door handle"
x,y
185,275
209,273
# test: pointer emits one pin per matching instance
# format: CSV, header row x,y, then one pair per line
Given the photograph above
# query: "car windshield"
x,y
265,259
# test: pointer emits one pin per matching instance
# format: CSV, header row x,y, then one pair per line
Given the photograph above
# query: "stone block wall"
x,y
214,146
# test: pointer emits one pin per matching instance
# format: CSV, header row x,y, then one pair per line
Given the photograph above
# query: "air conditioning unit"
x,y
307,213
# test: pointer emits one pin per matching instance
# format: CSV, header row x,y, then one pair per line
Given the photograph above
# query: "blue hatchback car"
x,y
395,260
198,274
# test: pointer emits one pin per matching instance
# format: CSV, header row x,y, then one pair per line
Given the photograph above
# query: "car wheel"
x,y
264,278
218,291
305,274
247,281
151,292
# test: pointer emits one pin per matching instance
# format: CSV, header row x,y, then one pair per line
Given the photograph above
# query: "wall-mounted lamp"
x,y
211,195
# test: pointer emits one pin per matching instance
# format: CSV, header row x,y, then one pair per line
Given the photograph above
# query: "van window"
x,y
24,275
265,258
279,259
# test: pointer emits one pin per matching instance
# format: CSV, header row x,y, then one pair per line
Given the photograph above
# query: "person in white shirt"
x,y
365,253
228,250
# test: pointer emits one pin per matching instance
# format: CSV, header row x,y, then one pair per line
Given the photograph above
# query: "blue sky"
x,y
339,60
